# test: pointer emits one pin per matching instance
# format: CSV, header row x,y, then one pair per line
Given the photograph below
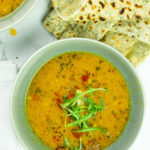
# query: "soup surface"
x,y
58,122
8,6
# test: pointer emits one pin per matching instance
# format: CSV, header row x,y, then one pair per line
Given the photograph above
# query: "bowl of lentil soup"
x,y
77,94
11,12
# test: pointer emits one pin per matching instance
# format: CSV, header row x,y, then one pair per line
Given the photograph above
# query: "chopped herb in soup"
x,y
78,101
8,6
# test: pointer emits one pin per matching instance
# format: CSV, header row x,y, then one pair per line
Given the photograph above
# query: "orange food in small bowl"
x,y
8,6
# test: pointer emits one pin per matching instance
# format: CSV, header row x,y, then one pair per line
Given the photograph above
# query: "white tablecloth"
x,y
8,139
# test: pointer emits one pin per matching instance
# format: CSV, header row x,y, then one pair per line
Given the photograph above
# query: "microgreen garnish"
x,y
75,148
81,109
80,146
83,119
67,143
93,129
78,96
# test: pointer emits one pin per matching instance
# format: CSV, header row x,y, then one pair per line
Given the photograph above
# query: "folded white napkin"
x,y
8,139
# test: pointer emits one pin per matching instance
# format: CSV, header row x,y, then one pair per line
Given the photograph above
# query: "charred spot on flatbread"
x,y
90,2
81,27
138,17
103,31
84,22
146,22
121,12
102,4
122,1
91,27
74,35
94,7
82,9
129,9
89,17
113,4
102,18
128,2
81,17
128,16
95,21
138,6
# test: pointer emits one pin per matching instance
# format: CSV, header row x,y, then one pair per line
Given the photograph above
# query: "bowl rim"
x,y
82,39
17,15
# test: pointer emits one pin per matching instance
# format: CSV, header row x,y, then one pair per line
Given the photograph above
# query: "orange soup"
x,y
78,101
8,6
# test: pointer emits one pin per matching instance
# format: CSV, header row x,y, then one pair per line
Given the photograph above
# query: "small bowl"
x,y
45,54
17,15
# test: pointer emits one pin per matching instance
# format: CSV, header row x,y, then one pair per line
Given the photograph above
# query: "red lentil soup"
x,y
8,6
60,81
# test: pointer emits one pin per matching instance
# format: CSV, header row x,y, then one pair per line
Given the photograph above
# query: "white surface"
x,y
32,36
8,140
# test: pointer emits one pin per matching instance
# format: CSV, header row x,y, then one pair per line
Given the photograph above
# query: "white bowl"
x,y
17,15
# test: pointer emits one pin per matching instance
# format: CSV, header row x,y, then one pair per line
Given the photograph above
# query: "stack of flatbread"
x,y
122,24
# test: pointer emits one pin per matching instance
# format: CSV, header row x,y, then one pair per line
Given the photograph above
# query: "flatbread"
x,y
55,25
122,24
139,29
135,50
121,42
65,29
93,18
104,10
65,8
138,53
88,29
130,9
